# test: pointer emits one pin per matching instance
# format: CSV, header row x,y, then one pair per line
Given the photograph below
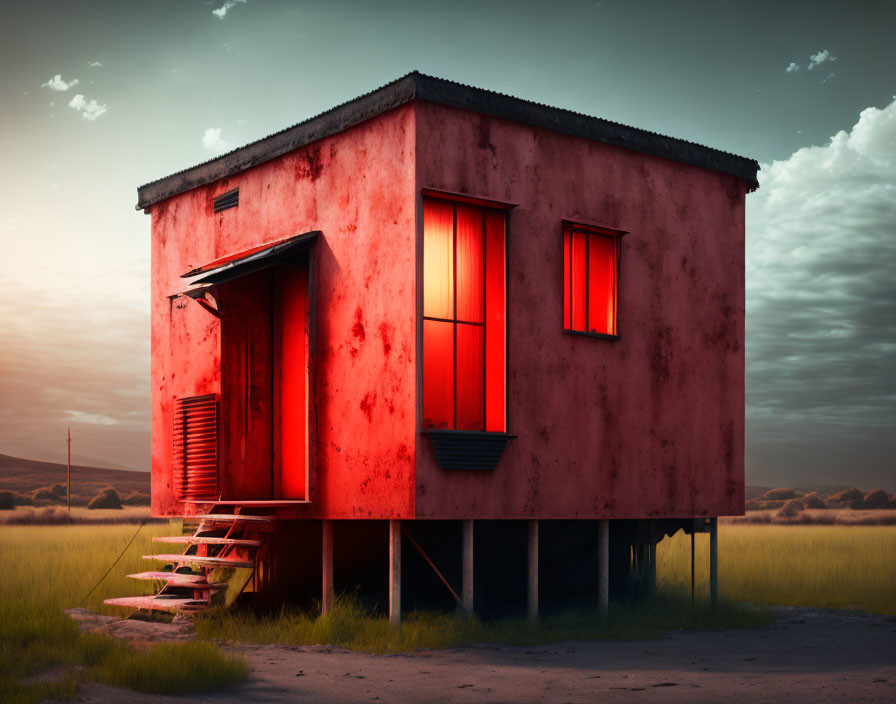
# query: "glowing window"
x,y
590,280
463,316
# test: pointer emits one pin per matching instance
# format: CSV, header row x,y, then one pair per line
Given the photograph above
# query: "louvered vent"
x,y
196,447
231,199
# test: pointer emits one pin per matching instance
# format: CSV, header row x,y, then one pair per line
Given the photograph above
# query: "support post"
x,y
395,573
467,549
693,594
532,592
652,573
713,561
68,473
326,599
603,573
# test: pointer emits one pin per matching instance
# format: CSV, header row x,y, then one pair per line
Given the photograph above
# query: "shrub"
x,y
812,500
752,506
890,504
135,498
845,497
792,508
22,499
779,494
107,498
876,498
46,494
7,501
857,505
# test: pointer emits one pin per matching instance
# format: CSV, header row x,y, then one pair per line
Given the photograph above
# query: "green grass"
x,y
350,626
842,567
50,569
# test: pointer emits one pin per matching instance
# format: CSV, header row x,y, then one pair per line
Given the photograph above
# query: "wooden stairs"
x,y
202,576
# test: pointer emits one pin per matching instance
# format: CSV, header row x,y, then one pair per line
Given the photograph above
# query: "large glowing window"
x,y
463,316
590,280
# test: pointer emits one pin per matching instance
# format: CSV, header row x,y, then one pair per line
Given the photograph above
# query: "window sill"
x,y
598,335
467,449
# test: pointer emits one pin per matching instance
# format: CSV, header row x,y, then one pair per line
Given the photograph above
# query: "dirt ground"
x,y
809,655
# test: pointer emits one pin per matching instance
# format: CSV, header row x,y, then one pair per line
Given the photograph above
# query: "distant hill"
x,y
17,474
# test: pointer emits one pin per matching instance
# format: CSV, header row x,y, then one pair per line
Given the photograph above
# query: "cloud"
x,y
89,418
221,12
56,83
94,64
821,298
820,58
90,110
214,142
793,67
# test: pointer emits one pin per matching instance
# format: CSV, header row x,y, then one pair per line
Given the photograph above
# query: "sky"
x,y
101,97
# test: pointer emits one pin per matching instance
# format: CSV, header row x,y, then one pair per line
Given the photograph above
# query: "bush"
x,y
779,494
135,498
876,498
22,499
752,506
7,501
107,498
47,494
845,497
812,500
890,504
791,509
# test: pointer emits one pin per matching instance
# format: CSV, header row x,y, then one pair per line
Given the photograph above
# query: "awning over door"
x,y
251,260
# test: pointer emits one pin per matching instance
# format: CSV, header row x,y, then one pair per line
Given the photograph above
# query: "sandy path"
x,y
808,656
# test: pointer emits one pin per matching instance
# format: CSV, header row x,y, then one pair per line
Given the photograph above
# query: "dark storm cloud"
x,y
821,303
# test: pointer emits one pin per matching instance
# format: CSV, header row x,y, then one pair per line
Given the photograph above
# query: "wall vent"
x,y
230,199
196,447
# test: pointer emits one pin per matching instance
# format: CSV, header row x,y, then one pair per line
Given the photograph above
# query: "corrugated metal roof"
x,y
417,86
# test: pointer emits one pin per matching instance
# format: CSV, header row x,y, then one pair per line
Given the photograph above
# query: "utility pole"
x,y
68,474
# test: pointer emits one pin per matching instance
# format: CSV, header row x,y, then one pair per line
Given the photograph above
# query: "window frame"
x,y
570,226
456,200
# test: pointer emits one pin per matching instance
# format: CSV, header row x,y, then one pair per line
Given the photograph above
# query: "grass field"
x,y
51,568
838,567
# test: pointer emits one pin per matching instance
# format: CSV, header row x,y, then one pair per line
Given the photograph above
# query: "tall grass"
x,y
52,568
350,626
848,567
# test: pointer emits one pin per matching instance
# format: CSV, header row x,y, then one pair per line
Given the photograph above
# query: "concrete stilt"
x,y
532,592
693,592
603,572
713,561
467,549
651,583
326,599
395,573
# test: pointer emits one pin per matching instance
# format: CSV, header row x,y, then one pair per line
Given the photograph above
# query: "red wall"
x,y
358,189
650,424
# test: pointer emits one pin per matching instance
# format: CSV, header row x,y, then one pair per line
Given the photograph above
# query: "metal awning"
x,y
249,261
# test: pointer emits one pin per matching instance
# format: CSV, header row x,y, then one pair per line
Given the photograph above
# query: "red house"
x,y
447,312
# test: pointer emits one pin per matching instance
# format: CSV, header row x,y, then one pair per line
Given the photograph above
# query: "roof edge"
x,y
418,86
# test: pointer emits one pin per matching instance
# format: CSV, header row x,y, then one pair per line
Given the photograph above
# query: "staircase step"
x,y
196,560
198,539
175,579
154,603
235,517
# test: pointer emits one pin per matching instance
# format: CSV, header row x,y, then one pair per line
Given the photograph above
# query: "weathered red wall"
x,y
358,189
648,425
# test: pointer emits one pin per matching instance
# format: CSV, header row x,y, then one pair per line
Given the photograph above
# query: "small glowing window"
x,y
590,280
